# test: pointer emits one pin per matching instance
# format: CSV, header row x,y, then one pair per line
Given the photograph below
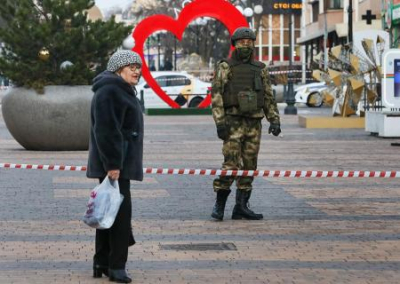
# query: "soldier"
x,y
241,96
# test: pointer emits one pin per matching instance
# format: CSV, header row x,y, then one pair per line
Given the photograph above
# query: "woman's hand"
x,y
113,174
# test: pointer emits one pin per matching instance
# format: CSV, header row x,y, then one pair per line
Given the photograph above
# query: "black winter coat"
x,y
116,134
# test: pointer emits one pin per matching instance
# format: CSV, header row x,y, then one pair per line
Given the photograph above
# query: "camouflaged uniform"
x,y
241,149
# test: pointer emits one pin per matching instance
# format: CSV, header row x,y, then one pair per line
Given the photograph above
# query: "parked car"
x,y
183,88
279,92
310,94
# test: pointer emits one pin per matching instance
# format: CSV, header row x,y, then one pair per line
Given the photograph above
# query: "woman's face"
x,y
131,73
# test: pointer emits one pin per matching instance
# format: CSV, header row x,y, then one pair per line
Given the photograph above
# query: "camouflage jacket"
x,y
221,76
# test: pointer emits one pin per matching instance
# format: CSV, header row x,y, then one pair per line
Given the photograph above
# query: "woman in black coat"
x,y
116,152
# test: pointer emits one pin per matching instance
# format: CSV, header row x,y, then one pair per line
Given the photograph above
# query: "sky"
x,y
106,4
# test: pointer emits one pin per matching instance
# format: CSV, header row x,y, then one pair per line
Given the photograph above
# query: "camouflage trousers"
x,y
240,151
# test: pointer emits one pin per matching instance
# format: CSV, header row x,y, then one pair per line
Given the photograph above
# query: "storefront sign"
x,y
283,7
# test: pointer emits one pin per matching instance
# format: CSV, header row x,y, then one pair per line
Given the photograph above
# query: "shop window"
x,y
276,37
286,53
286,37
264,55
276,21
276,55
297,23
286,20
296,53
297,34
265,36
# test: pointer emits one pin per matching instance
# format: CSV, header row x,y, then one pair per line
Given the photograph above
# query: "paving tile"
x,y
137,193
317,230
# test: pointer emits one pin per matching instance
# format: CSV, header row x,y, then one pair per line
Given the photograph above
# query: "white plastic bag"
x,y
104,202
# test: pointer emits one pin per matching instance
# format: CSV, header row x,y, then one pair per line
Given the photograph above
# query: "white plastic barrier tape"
x,y
213,172
287,71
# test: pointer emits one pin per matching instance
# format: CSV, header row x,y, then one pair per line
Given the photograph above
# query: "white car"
x,y
183,88
310,94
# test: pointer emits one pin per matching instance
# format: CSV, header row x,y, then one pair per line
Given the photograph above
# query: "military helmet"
x,y
240,33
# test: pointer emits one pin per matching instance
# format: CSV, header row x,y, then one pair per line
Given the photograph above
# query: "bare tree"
x,y
207,38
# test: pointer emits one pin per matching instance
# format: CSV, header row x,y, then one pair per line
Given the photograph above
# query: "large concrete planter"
x,y
58,120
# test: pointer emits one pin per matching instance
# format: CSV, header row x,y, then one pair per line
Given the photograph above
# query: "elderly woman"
x,y
116,152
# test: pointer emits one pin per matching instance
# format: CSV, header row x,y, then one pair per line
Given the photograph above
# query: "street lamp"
x,y
258,9
253,14
350,20
290,99
128,42
249,12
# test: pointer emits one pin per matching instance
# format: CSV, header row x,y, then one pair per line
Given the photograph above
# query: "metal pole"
x,y
350,21
325,40
159,46
174,53
290,99
148,52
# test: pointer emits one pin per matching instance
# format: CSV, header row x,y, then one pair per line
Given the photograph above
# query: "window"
x,y
162,81
315,11
335,4
276,53
264,53
176,80
171,81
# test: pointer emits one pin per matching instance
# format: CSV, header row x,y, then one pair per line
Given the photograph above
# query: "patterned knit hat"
x,y
123,58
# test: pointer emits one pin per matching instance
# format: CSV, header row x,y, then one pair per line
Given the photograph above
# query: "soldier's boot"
x,y
219,206
241,209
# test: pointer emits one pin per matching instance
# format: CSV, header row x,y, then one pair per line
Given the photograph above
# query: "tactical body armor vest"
x,y
245,77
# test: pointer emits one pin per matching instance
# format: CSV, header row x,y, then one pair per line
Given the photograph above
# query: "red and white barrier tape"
x,y
243,173
287,71
42,167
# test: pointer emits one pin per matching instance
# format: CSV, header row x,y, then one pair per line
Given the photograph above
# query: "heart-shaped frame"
x,y
221,10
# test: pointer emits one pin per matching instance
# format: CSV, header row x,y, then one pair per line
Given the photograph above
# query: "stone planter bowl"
x,y
58,120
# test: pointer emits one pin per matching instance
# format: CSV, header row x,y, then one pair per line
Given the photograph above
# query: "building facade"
x,y
273,32
391,20
325,23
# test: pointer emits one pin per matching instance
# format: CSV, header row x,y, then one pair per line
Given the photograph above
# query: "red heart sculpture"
x,y
221,10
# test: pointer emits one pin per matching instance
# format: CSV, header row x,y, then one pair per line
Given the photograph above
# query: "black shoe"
x,y
99,270
119,276
241,209
219,206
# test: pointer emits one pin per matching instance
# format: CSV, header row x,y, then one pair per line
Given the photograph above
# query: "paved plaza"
x,y
316,230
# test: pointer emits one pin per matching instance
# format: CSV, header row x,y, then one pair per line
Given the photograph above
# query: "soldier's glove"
x,y
275,129
222,132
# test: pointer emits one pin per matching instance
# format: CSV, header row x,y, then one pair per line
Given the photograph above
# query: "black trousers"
x,y
112,244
